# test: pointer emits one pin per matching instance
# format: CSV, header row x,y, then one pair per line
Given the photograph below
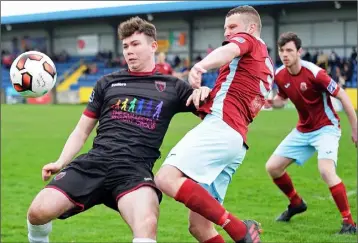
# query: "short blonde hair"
x,y
250,12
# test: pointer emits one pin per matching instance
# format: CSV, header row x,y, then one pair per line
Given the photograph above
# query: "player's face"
x,y
139,51
289,54
235,23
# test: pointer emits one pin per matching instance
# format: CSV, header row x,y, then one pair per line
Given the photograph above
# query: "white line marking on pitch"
x,y
349,194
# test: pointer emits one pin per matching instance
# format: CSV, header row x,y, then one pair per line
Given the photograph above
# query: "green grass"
x,y
35,135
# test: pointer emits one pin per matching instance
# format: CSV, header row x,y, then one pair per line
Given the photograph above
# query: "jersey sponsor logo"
x,y
60,175
160,85
91,96
287,85
332,86
170,155
227,221
119,84
141,112
303,86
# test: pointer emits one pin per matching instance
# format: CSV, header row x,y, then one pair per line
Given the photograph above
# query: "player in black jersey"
x,y
133,109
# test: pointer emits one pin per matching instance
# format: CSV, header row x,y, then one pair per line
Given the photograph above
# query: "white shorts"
x,y
301,146
210,154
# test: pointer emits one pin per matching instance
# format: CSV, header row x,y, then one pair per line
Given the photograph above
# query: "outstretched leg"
x,y
173,183
47,205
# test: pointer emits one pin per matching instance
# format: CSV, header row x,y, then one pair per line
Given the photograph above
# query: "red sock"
x,y
285,184
215,239
197,199
340,197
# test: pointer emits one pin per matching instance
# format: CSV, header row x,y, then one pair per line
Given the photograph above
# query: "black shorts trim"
x,y
159,193
79,206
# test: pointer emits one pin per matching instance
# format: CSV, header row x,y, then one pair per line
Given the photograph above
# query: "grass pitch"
x,y
34,135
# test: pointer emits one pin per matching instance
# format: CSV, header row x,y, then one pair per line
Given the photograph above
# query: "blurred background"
x,y
84,45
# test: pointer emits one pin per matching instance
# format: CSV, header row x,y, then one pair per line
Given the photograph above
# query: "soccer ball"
x,y
33,74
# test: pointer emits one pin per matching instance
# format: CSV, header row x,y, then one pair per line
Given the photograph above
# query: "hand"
x,y
50,169
268,103
195,76
198,96
354,136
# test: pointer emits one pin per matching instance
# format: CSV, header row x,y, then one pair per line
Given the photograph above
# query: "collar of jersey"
x,y
142,73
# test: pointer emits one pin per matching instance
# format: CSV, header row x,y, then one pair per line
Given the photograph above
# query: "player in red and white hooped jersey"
x,y
208,156
309,88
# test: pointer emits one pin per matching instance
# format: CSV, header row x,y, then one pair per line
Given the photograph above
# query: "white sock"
x,y
39,233
144,240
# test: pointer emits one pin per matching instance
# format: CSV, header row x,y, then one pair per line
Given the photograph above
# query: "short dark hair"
x,y
136,24
287,37
249,11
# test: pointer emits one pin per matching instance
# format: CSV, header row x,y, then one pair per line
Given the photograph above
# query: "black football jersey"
x,y
134,111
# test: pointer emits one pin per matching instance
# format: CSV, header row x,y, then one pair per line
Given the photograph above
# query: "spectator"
x,y
184,70
322,61
176,61
334,59
210,49
91,69
315,57
307,56
354,54
6,58
347,72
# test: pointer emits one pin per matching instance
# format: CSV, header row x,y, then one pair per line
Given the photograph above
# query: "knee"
x,y
324,173
276,166
328,171
37,215
162,178
194,229
146,227
159,180
200,231
169,180
329,176
272,168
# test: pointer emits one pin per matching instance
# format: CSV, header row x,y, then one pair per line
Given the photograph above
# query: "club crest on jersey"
x,y
332,86
160,85
60,175
303,86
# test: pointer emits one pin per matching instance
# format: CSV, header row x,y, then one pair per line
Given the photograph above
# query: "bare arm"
x,y
278,102
327,84
220,56
215,59
76,140
348,108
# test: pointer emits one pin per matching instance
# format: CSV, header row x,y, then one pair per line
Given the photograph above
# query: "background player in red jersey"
x,y
162,66
211,152
309,88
